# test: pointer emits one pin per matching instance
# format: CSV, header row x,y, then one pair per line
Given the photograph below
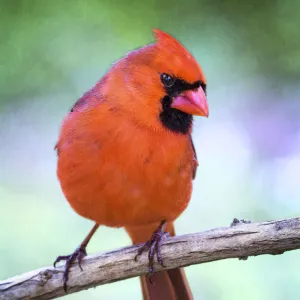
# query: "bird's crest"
x,y
163,38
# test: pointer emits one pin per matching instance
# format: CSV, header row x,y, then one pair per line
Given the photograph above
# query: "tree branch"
x,y
239,241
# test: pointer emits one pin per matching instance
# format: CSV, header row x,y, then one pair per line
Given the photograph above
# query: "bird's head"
x,y
161,85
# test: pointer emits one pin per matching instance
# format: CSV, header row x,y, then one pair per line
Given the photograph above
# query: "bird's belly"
x,y
119,192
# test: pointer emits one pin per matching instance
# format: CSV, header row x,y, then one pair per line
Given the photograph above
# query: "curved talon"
x,y
82,253
158,254
59,258
77,255
153,246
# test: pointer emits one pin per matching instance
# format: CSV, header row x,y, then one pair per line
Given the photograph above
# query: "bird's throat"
x,y
174,119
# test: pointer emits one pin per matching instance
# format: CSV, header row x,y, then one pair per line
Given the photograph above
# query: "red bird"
x,y
125,153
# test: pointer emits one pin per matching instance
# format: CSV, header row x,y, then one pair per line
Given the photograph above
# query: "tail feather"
x,y
180,284
167,285
161,288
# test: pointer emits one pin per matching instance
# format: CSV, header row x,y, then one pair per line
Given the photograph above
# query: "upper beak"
x,y
192,102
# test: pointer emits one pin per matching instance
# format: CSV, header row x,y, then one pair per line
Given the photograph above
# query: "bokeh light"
x,y
248,149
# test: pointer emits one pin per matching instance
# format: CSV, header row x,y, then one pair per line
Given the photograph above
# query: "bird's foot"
x,y
153,246
77,255
237,222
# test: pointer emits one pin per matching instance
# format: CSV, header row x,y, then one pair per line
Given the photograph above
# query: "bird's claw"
x,y
153,246
77,255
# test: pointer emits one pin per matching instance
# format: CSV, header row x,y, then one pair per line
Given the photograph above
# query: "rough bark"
x,y
238,241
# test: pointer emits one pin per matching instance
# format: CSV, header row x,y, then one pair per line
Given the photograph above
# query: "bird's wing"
x,y
195,161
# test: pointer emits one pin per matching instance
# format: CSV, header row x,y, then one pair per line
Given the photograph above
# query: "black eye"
x,y
167,80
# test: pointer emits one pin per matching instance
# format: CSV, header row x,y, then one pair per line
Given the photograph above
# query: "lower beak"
x,y
192,102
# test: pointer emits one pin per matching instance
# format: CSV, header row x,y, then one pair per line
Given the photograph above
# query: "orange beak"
x,y
192,102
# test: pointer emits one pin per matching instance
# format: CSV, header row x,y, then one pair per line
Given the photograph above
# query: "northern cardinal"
x,y
125,153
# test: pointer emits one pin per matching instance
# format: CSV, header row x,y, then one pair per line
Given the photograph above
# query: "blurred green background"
x,y
249,148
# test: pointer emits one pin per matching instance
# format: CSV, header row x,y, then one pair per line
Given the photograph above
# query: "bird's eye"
x,y
167,80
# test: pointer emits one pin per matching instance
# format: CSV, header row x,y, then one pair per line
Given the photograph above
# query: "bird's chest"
x,y
155,176
159,160
119,179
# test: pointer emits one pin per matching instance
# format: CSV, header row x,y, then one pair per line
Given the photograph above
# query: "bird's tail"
x,y
167,285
